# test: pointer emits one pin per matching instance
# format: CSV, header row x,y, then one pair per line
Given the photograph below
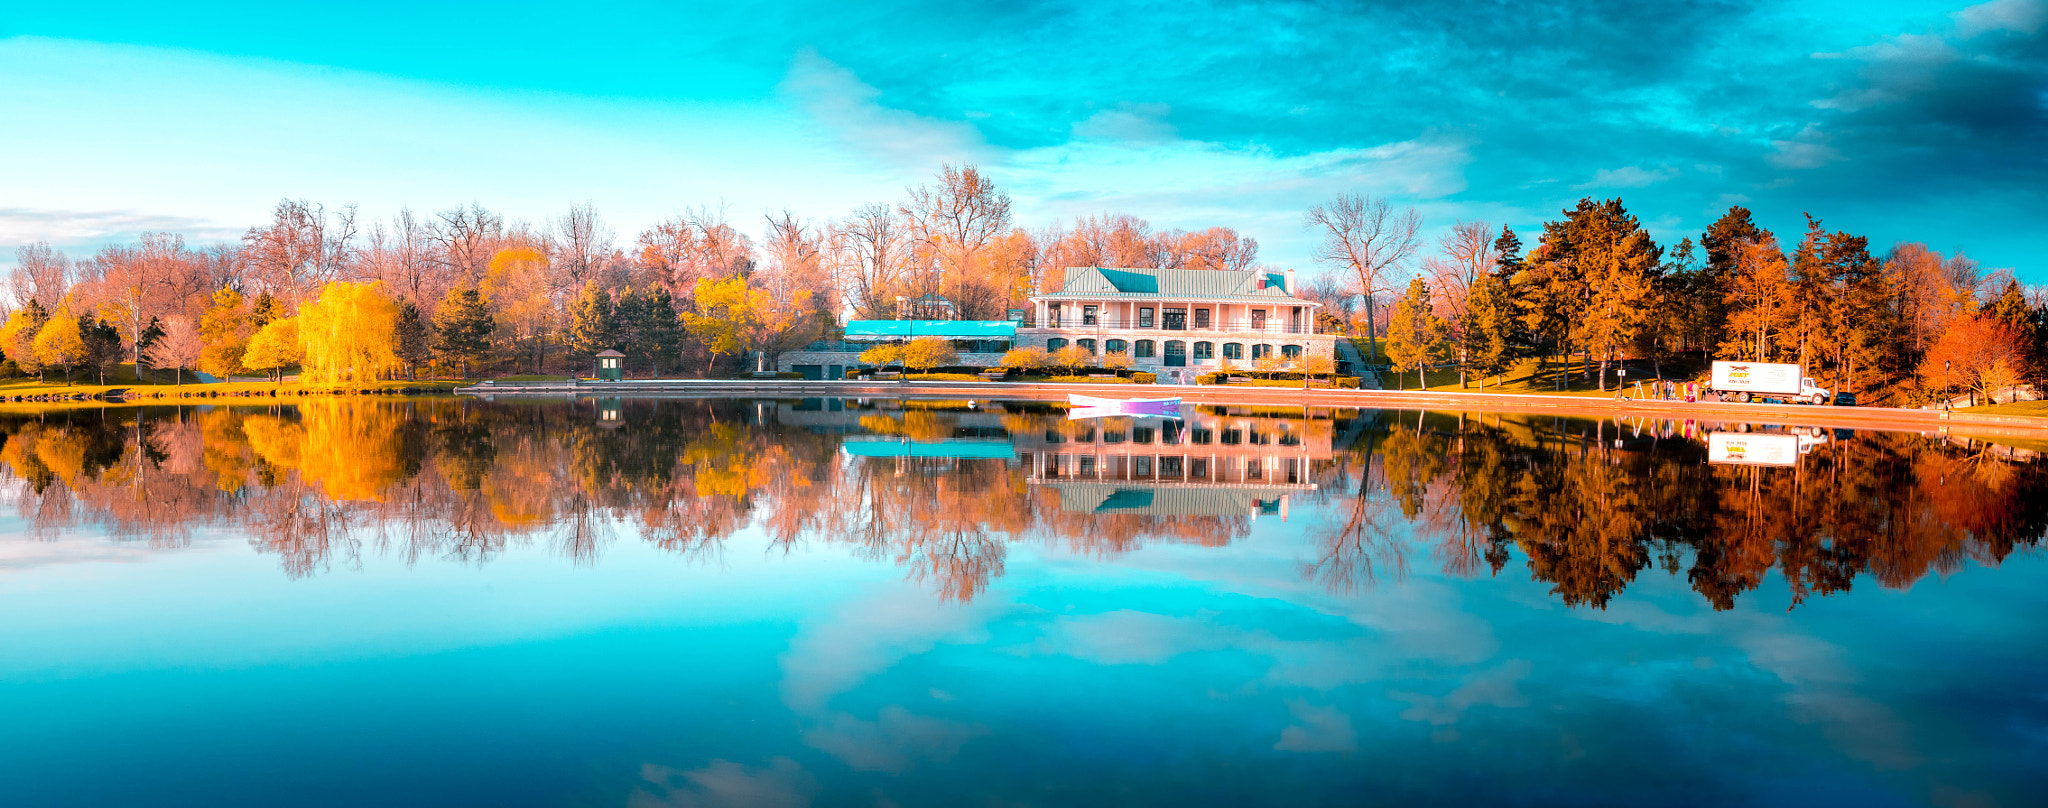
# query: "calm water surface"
x,y
726,602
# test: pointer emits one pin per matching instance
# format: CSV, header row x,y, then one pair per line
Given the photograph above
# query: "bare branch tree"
x,y
1367,237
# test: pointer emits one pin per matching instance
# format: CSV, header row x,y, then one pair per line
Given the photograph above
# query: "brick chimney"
x,y
1262,279
1291,289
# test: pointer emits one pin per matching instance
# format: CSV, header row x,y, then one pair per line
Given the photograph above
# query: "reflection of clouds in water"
x,y
1126,637
894,743
1821,678
1494,687
1321,729
25,555
864,637
780,784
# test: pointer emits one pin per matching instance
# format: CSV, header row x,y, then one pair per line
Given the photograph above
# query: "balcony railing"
x,y
1107,323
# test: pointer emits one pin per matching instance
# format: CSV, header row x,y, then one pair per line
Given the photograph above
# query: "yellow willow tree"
x,y
349,332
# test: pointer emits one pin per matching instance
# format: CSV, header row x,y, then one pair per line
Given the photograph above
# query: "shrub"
x,y
1142,377
1027,358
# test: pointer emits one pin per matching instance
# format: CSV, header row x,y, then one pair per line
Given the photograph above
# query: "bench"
x,y
1240,380
994,375
888,374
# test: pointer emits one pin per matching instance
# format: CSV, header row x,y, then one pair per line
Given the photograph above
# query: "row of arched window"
x,y
1144,349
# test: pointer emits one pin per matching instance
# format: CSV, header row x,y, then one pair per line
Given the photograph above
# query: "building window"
x,y
1144,317
1087,315
1290,352
1145,349
1261,351
1258,319
1232,437
1205,351
1198,469
1054,344
1176,353
1201,436
1233,350
1201,318
1116,346
1086,343
1174,319
1141,435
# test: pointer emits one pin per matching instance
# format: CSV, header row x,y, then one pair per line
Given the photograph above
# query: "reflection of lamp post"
x,y
910,334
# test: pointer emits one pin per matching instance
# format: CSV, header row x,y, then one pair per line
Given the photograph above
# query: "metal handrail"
x,y
1227,327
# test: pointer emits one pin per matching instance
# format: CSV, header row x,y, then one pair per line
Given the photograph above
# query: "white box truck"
x,y
1765,381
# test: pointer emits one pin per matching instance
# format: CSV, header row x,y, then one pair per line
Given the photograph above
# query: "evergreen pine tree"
x,y
630,325
462,328
592,326
102,344
661,329
1489,327
410,338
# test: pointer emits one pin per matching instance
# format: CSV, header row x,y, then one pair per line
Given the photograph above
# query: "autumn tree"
x,y
1415,334
1073,358
18,338
1760,299
41,275
725,316
226,329
1368,239
1978,352
179,348
60,343
301,249
882,355
274,347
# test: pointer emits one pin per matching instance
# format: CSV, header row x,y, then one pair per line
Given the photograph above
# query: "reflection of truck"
x,y
1765,381
1781,448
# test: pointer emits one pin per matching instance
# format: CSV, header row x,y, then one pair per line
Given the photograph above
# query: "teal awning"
x,y
877,330
877,447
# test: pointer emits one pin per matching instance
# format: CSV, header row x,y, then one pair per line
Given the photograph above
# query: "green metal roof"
x,y
1185,499
955,448
871,330
1097,283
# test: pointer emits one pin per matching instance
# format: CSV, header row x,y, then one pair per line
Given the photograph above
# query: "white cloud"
x,y
894,742
780,784
1321,729
2022,16
1131,123
1808,149
1627,177
850,109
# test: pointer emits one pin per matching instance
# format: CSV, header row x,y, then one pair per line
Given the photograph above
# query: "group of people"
x,y
1666,390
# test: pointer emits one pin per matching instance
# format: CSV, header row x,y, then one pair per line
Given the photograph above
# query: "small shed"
x,y
611,366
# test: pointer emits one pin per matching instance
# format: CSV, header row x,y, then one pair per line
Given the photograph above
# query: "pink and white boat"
x,y
1092,407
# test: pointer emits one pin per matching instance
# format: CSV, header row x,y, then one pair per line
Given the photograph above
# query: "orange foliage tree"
x,y
1979,352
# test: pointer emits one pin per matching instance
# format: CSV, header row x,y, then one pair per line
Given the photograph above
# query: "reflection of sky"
x,y
1175,673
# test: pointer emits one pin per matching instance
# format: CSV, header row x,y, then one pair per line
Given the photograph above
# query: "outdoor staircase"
x,y
1347,352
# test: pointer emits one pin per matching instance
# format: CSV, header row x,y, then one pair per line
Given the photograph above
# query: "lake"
x,y
688,602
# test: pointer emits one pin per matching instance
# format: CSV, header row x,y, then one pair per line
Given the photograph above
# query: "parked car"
x,y
1845,399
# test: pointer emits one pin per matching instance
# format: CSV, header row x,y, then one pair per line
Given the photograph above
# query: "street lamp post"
x,y
910,334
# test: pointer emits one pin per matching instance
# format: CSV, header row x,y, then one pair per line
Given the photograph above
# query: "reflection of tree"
x,y
1589,515
462,481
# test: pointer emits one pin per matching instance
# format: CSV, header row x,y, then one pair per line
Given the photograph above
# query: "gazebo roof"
x,y
609,352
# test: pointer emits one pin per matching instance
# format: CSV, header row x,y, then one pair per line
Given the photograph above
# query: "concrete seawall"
x,y
1929,421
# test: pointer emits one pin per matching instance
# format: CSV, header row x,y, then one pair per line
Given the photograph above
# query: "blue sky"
x,y
1903,121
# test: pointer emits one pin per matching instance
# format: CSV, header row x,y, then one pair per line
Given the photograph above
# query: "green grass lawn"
x,y
123,378
1527,377
2037,409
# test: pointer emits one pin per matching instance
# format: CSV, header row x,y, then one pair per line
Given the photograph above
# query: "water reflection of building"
x,y
1206,465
